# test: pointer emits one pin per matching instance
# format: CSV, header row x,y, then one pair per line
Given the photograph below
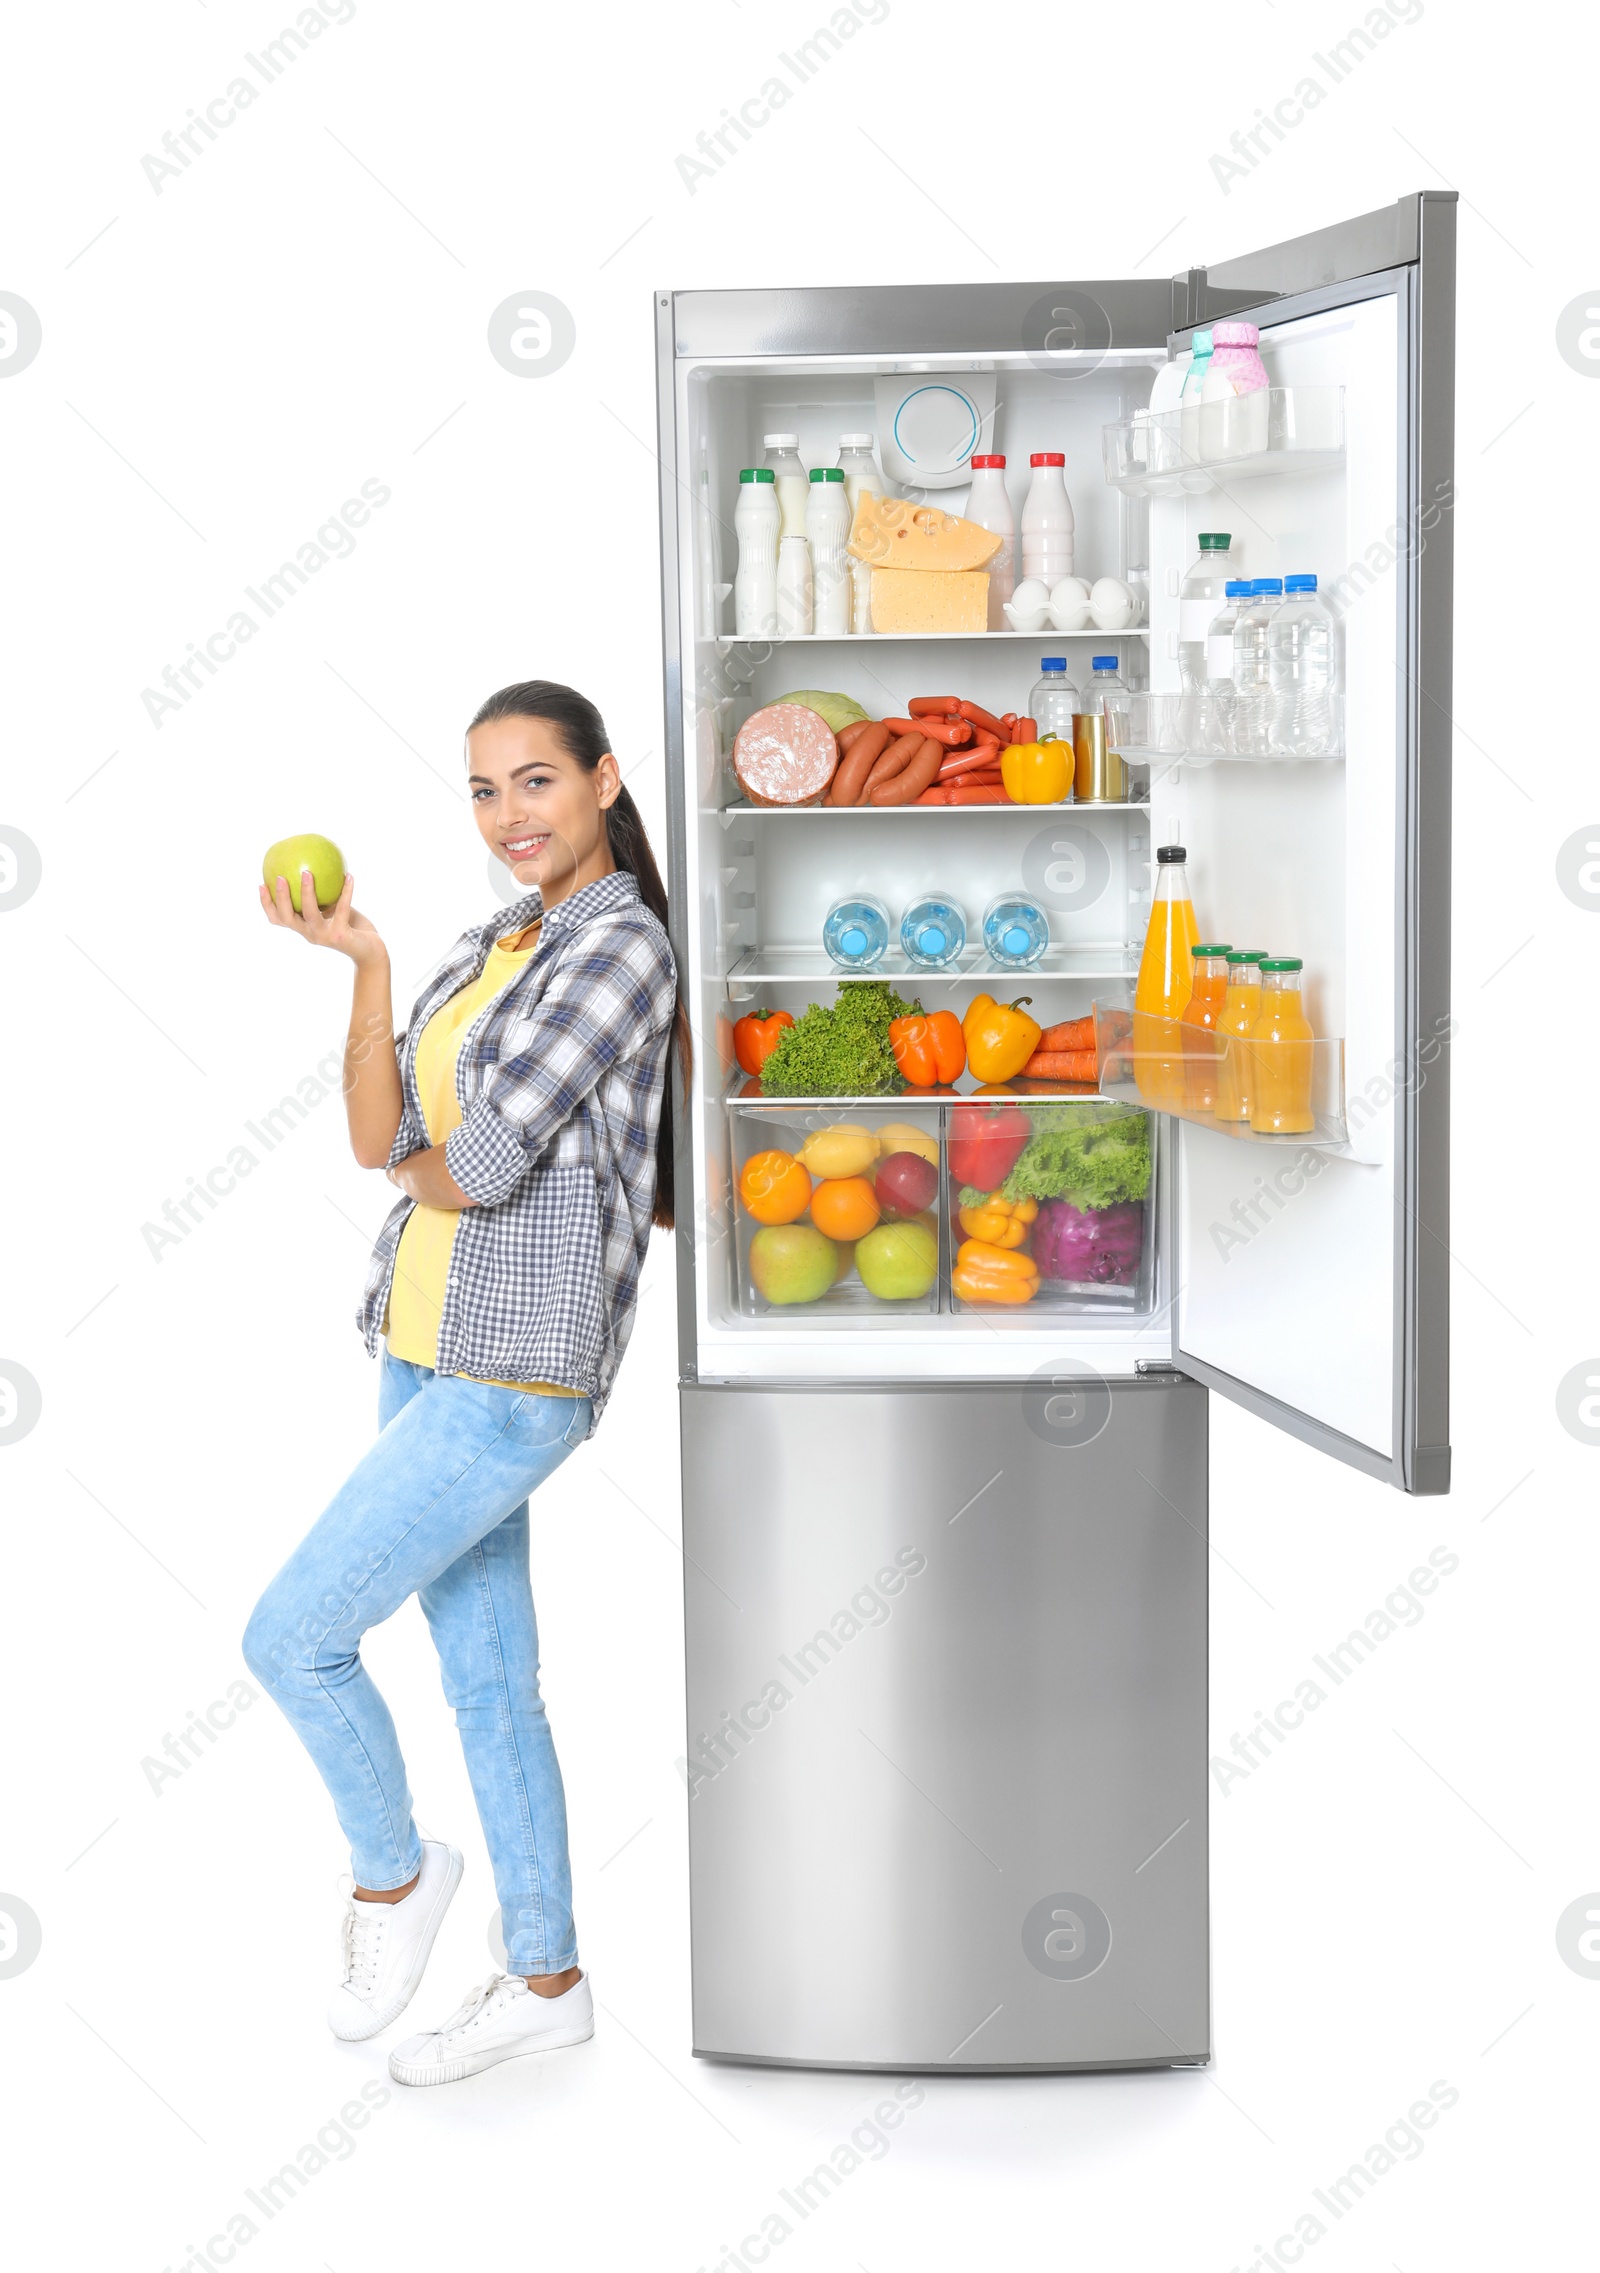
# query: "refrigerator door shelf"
x,y
1277,430
1135,1069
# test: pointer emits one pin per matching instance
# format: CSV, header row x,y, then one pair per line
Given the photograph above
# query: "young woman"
x,y
525,1116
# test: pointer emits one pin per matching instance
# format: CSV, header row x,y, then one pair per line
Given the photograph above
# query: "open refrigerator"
x,y
945,1563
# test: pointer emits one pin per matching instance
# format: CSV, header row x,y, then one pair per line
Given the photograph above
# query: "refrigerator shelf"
x,y
1177,453
1108,962
744,1090
900,638
743,811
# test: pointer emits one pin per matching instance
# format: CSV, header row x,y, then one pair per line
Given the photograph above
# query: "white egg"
x,y
1111,603
1069,603
1029,605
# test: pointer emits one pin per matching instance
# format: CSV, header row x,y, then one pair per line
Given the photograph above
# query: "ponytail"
x,y
583,736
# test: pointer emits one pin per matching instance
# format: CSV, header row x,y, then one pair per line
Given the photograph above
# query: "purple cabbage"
x,y
1089,1246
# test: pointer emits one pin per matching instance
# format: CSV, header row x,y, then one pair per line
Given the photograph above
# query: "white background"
x,y
222,364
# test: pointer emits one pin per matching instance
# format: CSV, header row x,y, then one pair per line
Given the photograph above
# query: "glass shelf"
x,y
897,638
745,1090
1276,430
777,962
1168,1067
743,812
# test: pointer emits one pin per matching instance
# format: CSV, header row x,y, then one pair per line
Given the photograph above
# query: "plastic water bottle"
x,y
933,932
1300,652
1211,735
1015,932
1106,696
1054,702
856,934
1252,671
1199,597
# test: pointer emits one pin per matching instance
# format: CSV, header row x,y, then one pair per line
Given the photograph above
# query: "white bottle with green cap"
x,y
756,522
828,532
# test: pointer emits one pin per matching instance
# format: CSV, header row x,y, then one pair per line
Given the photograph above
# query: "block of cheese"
x,y
930,599
895,532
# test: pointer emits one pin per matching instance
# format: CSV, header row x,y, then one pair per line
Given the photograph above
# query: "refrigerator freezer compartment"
x,y
1276,430
1070,1225
851,1250
1176,1069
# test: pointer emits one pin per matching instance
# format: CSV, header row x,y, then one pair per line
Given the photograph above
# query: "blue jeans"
x,y
439,1509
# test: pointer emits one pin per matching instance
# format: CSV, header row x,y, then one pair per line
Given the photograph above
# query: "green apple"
x,y
792,1262
898,1261
319,854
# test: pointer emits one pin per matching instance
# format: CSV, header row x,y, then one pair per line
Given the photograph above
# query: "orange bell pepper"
x,y
1000,1037
994,1274
929,1047
756,1036
997,1222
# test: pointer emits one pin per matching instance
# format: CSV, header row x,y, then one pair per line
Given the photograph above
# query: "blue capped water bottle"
x,y
933,932
856,934
1015,932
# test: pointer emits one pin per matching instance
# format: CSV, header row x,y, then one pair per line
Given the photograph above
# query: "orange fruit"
x,y
774,1187
844,1207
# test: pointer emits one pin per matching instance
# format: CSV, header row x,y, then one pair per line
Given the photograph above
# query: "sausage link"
x,y
852,734
985,720
851,778
952,732
907,786
934,706
893,761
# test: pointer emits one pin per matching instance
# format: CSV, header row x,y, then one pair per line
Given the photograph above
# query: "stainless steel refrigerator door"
x,y
947,1724
1345,1279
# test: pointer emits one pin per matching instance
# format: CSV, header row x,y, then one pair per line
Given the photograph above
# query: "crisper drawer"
x,y
923,1205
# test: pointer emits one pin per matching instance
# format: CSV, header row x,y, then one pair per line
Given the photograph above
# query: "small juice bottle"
x,y
1240,1011
1200,1021
1280,1053
1161,994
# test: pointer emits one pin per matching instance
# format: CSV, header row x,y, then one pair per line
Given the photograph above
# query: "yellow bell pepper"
x,y
994,1274
998,1222
1038,773
1000,1037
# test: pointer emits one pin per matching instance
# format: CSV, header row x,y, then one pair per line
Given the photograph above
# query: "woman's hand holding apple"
x,y
341,926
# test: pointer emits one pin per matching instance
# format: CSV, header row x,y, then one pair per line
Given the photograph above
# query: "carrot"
x,y
1024,730
1071,1034
984,719
1062,1065
934,706
951,732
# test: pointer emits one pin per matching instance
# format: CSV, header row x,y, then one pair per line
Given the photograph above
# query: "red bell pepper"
x,y
929,1047
756,1036
985,1143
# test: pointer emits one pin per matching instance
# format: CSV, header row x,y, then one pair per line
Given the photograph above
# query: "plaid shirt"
x,y
560,1081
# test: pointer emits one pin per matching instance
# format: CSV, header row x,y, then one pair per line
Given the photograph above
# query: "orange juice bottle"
x,y
1161,994
1240,1011
1199,1022
1280,1053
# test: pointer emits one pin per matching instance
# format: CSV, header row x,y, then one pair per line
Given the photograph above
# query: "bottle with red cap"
x,y
989,504
1047,520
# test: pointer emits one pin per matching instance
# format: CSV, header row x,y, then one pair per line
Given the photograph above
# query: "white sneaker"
x,y
501,2021
386,1946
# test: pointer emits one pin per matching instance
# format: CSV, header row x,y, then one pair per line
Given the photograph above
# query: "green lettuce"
x,y
840,1049
1092,1155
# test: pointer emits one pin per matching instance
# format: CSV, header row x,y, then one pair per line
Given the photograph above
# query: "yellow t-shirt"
x,y
422,1265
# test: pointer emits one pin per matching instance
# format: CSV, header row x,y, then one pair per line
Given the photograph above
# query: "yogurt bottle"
x,y
1047,523
1234,395
828,532
783,459
756,521
860,470
989,505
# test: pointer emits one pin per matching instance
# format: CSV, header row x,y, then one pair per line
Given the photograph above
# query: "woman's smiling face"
x,y
537,809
